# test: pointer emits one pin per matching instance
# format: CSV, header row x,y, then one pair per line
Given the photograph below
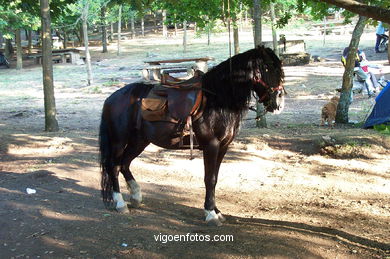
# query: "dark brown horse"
x,y
226,92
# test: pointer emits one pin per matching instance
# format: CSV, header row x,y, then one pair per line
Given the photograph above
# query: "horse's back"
x,y
136,90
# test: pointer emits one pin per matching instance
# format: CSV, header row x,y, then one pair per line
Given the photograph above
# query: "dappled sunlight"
x,y
43,146
307,97
5,190
64,216
56,243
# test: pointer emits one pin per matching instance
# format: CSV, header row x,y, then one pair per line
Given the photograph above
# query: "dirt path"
x,y
295,190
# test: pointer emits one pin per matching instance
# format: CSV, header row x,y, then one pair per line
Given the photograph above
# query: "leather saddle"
x,y
181,98
177,101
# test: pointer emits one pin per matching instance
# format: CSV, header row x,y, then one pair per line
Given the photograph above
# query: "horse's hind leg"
x,y
131,152
117,199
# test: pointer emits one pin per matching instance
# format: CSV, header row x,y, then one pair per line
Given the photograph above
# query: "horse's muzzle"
x,y
276,102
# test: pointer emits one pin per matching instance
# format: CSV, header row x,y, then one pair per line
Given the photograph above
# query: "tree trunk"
x,y
208,35
29,44
65,42
261,122
343,106
111,32
9,50
86,42
132,25
185,36
19,50
155,22
325,29
75,32
257,22
104,28
273,26
119,30
164,23
240,21
51,123
143,26
236,38
81,35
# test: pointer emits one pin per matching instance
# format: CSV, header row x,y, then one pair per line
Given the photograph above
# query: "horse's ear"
x,y
260,47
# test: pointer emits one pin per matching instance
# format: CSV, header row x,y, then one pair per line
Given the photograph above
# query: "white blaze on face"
x,y
279,102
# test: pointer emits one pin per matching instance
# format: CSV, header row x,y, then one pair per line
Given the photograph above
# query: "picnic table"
x,y
59,55
155,68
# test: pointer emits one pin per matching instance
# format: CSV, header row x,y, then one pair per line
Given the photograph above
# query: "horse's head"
x,y
271,97
267,81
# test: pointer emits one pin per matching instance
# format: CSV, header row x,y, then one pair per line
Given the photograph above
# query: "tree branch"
x,y
374,12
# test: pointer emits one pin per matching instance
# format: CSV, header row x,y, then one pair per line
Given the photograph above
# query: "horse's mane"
x,y
228,85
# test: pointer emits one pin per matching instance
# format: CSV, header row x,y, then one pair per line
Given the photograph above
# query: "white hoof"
x,y
122,209
135,193
120,204
221,217
212,218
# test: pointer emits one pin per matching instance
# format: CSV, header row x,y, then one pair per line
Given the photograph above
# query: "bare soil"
x,y
293,190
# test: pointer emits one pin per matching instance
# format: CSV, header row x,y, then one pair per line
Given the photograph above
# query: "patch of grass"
x,y
383,128
94,89
111,83
348,150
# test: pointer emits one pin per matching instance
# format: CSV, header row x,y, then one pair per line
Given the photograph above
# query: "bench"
x,y
155,68
73,55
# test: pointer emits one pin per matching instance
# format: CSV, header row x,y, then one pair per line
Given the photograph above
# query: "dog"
x,y
328,112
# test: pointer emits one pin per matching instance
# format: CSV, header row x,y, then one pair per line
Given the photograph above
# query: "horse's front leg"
x,y
213,155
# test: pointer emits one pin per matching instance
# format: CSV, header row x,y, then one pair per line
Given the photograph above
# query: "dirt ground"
x,y
293,190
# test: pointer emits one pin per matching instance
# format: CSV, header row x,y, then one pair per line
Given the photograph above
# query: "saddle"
x,y
176,101
173,100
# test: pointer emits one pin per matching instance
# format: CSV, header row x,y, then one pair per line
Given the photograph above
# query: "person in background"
x,y
380,31
370,82
3,60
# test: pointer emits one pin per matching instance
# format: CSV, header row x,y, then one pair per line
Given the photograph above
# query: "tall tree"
x,y
343,106
184,36
84,18
104,27
164,23
273,27
51,123
261,121
19,50
119,30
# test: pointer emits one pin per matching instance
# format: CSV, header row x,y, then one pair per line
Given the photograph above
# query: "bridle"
x,y
269,90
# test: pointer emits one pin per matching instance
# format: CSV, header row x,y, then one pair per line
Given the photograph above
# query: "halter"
x,y
270,90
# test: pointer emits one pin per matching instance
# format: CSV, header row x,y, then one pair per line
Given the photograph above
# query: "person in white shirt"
x,y
380,31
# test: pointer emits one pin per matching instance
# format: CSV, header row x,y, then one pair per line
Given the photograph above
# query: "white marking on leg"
x,y
135,191
212,218
118,199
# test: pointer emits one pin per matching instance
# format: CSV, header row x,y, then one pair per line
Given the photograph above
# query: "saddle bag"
x,y
154,109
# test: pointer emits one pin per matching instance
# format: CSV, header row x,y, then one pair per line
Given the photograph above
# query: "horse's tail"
x,y
105,161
